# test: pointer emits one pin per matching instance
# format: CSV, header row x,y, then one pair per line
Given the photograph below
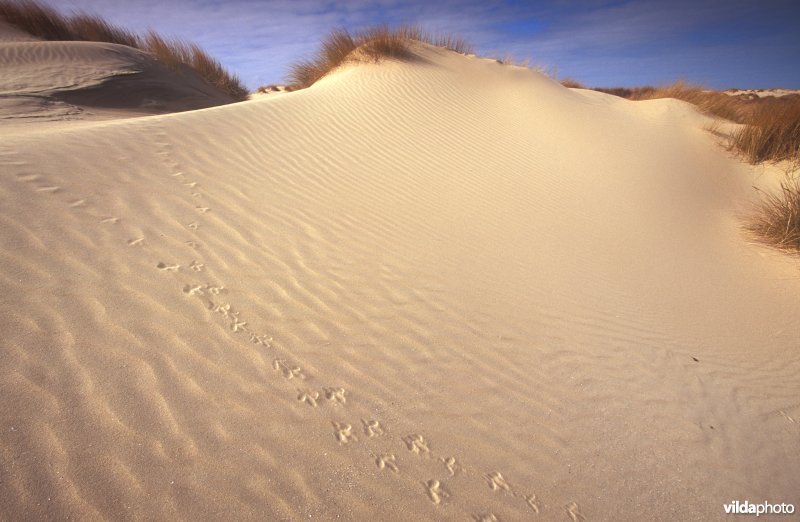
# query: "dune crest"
x,y
432,289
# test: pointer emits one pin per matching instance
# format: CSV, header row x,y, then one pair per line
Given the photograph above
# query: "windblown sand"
x,y
442,289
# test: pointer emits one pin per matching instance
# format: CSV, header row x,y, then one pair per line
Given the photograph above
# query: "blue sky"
x,y
722,44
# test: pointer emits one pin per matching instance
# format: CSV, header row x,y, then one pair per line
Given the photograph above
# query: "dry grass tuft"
x,y
36,19
94,29
772,131
44,22
776,220
371,44
572,83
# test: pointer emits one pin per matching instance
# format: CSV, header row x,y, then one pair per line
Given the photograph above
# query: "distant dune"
x,y
434,289
90,80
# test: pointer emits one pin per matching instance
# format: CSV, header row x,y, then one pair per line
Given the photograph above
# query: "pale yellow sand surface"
x,y
442,289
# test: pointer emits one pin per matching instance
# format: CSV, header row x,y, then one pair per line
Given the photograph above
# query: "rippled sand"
x,y
439,289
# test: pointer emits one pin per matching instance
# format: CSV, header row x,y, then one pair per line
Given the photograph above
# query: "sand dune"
x,y
57,81
438,289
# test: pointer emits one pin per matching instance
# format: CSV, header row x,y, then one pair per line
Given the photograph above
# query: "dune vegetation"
x,y
776,220
771,129
372,44
42,21
770,132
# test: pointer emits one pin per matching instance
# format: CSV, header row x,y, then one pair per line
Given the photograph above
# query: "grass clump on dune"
x,y
42,21
776,220
772,131
374,44
571,83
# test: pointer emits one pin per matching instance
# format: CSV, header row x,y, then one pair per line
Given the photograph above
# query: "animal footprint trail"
x,y
335,395
344,432
532,502
193,290
574,512
387,462
452,465
260,339
436,491
309,397
372,428
416,444
497,482
201,290
288,371
238,325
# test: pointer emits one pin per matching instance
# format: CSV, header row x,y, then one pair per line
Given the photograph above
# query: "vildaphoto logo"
x,y
765,508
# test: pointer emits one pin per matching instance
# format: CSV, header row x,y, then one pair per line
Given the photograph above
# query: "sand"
x,y
442,289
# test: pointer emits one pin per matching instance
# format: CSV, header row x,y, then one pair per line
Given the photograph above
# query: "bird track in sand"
x,y
371,431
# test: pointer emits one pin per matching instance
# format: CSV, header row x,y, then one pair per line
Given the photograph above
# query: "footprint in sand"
x,y
372,428
197,267
224,309
168,268
193,225
202,210
196,195
387,461
52,189
237,325
343,432
485,517
136,242
78,203
178,174
574,512
261,339
287,370
308,396
532,502
451,464
191,184
193,290
416,444
110,219
335,395
498,482
436,491
28,177
215,290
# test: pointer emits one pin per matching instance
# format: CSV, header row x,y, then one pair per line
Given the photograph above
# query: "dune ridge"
x,y
439,289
